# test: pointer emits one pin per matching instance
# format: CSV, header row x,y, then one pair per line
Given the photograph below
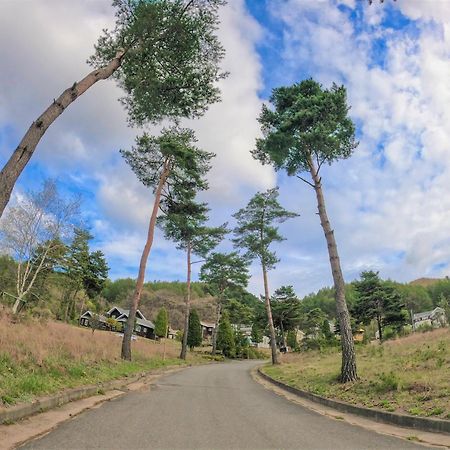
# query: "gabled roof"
x,y
89,314
145,323
427,314
125,312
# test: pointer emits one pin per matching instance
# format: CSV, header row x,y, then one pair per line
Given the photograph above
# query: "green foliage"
x,y
184,223
116,292
225,336
306,124
257,334
291,339
170,64
223,271
416,298
378,300
194,337
255,230
162,323
239,314
286,309
175,152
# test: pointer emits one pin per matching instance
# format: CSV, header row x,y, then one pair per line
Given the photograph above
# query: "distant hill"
x,y
425,282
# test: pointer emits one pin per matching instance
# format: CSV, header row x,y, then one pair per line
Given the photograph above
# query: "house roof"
x,y
427,314
123,311
139,321
89,314
207,324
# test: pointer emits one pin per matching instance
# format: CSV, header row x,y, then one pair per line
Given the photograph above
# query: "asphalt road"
x,y
210,407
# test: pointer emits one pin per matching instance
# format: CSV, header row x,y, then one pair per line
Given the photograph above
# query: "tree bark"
x,y
273,342
216,329
16,306
126,342
24,151
348,368
188,304
380,330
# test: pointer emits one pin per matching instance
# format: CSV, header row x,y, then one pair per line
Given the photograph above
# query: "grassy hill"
x,y
407,375
43,357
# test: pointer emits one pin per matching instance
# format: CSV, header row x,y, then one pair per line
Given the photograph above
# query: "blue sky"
x,y
389,203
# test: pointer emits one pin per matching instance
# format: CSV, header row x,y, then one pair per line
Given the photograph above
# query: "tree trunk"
x,y
188,304
216,329
19,159
273,342
16,306
126,341
348,368
380,330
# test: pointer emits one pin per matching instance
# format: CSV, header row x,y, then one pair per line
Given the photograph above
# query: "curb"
x,y
42,404
402,420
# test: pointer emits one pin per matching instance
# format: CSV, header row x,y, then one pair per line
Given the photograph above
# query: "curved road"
x,y
210,407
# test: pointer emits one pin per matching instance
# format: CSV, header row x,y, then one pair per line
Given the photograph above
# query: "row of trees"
x,y
165,55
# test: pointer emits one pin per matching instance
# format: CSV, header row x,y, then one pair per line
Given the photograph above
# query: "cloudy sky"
x,y
389,203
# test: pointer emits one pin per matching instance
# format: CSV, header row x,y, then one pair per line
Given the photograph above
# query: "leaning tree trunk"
x,y
273,342
188,304
24,151
216,328
348,368
126,342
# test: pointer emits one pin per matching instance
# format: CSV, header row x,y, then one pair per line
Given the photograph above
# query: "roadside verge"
x,y
13,413
401,420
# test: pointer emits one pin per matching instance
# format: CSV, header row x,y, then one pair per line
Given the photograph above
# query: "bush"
x,y
389,382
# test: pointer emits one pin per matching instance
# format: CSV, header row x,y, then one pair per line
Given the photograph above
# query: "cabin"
x,y
435,318
143,327
207,330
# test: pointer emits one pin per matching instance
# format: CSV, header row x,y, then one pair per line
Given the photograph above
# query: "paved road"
x,y
210,407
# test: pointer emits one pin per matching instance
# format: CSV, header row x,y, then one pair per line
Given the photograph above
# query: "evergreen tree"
x,y
254,234
185,223
225,337
257,335
173,167
307,127
164,54
223,272
286,310
194,335
378,300
162,323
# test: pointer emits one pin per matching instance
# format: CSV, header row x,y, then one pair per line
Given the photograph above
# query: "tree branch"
x,y
306,181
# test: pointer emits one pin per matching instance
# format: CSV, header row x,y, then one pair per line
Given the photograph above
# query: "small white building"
x,y
435,318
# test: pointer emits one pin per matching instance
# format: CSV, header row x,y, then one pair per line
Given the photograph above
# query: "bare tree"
x,y
33,232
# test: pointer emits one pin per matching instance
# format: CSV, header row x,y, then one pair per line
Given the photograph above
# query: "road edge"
x,y
42,404
401,420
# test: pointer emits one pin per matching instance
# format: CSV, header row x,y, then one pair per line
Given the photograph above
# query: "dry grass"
x,y
409,375
40,341
39,358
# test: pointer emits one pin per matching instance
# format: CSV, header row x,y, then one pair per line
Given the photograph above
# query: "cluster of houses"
x,y
116,318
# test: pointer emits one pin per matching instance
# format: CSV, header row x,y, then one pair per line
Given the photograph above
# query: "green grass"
x,y
23,382
408,375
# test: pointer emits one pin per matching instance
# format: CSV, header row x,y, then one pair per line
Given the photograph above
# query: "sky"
x,y
389,204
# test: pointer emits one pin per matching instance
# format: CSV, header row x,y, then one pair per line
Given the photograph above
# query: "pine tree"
x,y
194,335
225,337
164,54
223,272
254,234
162,323
308,127
378,300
